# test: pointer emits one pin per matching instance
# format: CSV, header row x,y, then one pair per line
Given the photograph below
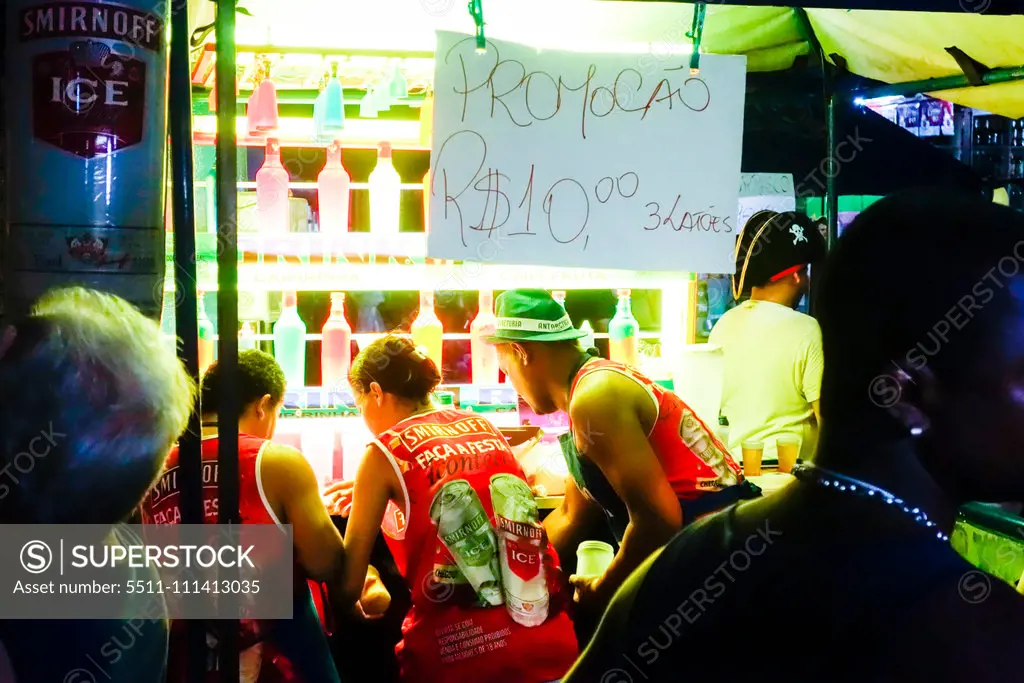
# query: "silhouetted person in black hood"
x,y
847,573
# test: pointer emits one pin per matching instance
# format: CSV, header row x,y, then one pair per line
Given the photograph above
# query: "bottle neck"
x,y
623,307
334,155
273,152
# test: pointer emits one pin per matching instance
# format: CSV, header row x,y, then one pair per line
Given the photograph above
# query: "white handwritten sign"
x,y
765,192
593,160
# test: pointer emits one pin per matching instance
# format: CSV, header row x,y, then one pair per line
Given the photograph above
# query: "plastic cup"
x,y
753,451
593,558
789,450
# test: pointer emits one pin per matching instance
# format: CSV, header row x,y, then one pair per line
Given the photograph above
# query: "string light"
x,y
814,474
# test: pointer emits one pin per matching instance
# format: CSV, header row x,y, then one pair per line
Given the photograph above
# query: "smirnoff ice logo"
x,y
89,99
523,544
92,20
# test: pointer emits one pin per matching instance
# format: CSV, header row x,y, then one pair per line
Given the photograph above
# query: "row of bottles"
x,y
289,333
336,346
998,131
333,188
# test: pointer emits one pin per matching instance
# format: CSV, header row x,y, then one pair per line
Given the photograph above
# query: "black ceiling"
x,y
784,132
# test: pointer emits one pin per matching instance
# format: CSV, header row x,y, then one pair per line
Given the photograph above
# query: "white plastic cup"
x,y
593,558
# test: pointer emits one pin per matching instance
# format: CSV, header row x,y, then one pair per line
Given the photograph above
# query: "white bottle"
x,y
385,194
587,340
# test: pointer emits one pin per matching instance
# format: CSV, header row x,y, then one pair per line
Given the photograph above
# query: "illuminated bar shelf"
x,y
346,277
368,262
363,338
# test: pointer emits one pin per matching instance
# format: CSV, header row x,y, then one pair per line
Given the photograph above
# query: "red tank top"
x,y
486,598
693,458
162,506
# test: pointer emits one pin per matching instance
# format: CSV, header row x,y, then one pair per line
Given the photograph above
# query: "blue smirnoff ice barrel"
x,y
86,116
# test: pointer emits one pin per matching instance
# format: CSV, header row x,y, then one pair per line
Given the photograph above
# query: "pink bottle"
x,y
484,356
332,192
272,192
336,348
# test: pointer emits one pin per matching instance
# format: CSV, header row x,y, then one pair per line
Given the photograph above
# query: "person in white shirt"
x,y
773,357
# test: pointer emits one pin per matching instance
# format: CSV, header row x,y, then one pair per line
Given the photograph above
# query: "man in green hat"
x,y
635,450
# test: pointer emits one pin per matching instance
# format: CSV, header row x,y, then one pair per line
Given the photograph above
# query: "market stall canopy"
x,y
887,46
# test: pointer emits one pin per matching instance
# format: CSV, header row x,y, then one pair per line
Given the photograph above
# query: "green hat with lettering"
x,y
531,315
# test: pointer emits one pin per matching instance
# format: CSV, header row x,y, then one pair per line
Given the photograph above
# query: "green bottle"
x,y
290,342
624,333
703,325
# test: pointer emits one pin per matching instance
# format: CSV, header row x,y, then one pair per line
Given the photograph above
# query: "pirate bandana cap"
x,y
772,245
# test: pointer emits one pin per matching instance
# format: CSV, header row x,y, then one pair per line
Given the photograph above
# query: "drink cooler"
x,y
86,120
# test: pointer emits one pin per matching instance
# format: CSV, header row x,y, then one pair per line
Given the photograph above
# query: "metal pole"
x,y
993,77
831,190
227,307
186,310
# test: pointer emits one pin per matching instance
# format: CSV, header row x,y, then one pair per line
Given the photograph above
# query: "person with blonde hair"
x,y
86,378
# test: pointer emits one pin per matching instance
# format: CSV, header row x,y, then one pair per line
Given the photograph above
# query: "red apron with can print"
x,y
487,603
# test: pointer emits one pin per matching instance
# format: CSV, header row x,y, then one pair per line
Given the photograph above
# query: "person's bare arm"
x,y
618,445
565,524
813,365
291,488
375,484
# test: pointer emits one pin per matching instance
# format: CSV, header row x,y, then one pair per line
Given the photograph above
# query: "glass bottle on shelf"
x,y
427,331
246,338
336,348
207,344
272,192
484,356
290,342
210,191
624,333
587,341
385,193
332,192
703,312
